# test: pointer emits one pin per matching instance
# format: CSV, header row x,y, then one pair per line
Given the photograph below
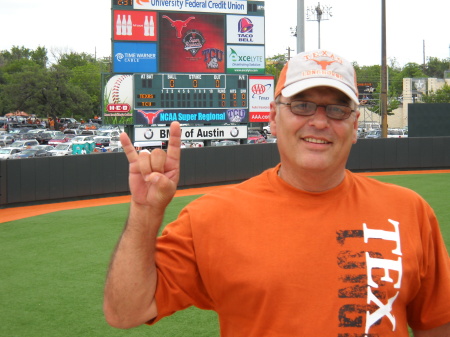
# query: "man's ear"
x,y
272,118
355,127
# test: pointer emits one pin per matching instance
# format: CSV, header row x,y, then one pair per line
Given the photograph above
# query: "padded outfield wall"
x,y
84,176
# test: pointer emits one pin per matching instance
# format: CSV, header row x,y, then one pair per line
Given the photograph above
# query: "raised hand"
x,y
153,177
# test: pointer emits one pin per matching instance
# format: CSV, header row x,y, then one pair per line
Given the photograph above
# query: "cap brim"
x,y
306,84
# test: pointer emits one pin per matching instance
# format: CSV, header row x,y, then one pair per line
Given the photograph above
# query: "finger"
x,y
174,147
145,168
158,160
128,148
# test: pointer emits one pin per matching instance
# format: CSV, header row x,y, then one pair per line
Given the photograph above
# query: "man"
x,y
336,255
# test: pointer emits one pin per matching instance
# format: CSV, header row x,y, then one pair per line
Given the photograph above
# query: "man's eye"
x,y
336,109
300,106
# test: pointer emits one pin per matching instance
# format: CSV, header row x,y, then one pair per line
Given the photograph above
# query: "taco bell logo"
x,y
245,30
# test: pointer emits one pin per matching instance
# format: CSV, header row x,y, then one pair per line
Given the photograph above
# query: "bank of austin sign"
x,y
230,132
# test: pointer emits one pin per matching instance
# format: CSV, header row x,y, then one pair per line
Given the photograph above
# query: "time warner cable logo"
x,y
120,57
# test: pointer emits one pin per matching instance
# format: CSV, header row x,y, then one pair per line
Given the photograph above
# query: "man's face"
x,y
315,142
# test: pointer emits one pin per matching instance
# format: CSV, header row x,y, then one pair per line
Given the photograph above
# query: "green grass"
x,y
435,189
52,269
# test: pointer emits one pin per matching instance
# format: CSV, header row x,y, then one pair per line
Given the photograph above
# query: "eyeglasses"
x,y
333,111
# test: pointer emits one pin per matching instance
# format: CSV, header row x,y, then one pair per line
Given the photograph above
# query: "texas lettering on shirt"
x,y
371,276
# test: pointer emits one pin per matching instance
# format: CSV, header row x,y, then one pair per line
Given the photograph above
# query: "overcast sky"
x,y
353,30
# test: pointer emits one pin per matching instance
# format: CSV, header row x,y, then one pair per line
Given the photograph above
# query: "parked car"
x,y
7,152
24,144
63,149
108,133
190,143
2,143
31,153
115,142
102,141
72,131
44,147
82,139
371,134
255,137
89,133
114,149
8,139
397,133
58,139
391,133
71,122
226,143
18,132
44,137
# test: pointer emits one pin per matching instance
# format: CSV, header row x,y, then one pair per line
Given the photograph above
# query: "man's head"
x,y
314,116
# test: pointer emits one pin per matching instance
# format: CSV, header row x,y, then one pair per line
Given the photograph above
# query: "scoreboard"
x,y
190,91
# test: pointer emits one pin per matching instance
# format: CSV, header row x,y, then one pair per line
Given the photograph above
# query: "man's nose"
x,y
319,119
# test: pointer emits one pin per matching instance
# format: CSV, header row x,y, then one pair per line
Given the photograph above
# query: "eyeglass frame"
x,y
313,112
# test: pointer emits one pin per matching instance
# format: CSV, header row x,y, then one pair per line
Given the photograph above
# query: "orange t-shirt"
x,y
363,259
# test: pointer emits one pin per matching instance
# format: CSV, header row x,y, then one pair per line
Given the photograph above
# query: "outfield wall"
x,y
99,174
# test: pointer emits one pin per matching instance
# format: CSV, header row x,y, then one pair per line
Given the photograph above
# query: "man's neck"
x,y
312,181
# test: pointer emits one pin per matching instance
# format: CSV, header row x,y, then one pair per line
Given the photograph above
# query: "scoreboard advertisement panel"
x,y
194,61
190,98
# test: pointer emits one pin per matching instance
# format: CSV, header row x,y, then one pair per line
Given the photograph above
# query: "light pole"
x,y
318,13
384,79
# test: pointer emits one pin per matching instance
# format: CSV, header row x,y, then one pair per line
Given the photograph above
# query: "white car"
x,y
108,133
24,144
8,139
62,149
82,139
115,142
397,133
8,152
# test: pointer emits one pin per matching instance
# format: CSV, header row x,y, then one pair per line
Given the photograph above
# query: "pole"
x,y
300,26
318,22
383,96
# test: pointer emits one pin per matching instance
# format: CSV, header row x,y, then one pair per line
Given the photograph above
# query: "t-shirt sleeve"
x,y
430,307
179,282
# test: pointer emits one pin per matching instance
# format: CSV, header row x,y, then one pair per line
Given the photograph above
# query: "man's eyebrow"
x,y
339,100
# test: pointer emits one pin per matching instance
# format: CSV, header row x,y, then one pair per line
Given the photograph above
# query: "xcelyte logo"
x,y
244,58
233,55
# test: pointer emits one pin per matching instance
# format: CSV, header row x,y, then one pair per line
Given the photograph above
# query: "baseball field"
x,y
54,260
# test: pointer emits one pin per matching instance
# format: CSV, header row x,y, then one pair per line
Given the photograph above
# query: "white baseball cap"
x,y
315,69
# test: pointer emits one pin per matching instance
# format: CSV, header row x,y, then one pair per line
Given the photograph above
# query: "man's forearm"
x,y
131,280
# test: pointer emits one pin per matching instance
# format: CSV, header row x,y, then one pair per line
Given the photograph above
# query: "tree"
x,y
38,56
274,65
440,96
71,87
435,67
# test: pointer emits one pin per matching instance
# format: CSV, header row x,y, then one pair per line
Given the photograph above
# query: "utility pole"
x,y
300,26
318,13
289,53
383,96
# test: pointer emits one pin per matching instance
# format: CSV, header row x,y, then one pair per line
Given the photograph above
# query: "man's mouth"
x,y
316,141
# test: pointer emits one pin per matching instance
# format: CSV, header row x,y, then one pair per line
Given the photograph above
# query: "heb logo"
x,y
122,107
